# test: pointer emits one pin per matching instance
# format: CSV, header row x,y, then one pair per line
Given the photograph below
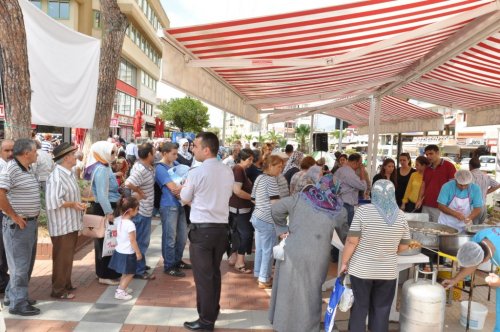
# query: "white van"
x,y
488,163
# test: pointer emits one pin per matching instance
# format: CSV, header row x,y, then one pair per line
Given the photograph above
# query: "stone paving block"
x,y
100,326
108,313
108,296
149,315
56,310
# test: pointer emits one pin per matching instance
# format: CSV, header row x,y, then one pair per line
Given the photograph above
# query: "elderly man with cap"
x,y
482,247
64,214
459,201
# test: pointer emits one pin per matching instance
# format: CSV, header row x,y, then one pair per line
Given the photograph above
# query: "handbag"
x,y
94,226
110,241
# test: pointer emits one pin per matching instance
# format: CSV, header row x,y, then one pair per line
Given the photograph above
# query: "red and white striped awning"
x,y
354,50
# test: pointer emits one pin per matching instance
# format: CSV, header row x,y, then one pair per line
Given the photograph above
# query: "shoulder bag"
x,y
94,226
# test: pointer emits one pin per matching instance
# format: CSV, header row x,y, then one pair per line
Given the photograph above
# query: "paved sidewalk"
x,y
166,303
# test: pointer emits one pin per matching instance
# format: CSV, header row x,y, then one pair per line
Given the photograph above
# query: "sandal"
x,y
242,269
145,276
65,296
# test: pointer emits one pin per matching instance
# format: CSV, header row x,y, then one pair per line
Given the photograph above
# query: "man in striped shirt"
x,y
141,181
64,213
6,148
20,203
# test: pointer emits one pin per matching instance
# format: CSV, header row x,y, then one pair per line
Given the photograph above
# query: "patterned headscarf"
x,y
323,196
384,199
293,161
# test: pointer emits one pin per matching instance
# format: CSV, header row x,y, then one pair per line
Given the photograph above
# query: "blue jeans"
x,y
350,213
265,240
20,249
143,236
173,234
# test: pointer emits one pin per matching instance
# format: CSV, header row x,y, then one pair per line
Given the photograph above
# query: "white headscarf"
x,y
184,152
99,150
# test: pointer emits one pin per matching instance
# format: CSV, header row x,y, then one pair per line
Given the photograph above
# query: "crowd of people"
x,y
228,203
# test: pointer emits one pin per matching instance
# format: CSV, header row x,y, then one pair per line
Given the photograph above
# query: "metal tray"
x,y
411,252
473,229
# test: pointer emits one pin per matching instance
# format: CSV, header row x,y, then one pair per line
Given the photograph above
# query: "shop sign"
x,y
461,141
492,141
114,123
432,139
125,120
475,141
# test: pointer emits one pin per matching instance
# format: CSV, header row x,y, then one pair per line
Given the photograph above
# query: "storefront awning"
x,y
343,54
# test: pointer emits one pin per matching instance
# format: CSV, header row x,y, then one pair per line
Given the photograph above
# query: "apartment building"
x,y
141,54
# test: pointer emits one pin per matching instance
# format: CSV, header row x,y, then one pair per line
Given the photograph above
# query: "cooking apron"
x,y
461,205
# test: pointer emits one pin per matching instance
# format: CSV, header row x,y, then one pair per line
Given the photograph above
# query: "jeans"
x,y
20,248
143,236
432,212
350,213
241,233
265,240
173,234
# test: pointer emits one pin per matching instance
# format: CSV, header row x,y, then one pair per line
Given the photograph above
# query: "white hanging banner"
x,y
64,71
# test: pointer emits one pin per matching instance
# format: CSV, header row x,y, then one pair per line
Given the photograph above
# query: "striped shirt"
x,y
23,190
143,176
375,257
47,146
283,186
484,181
264,190
62,187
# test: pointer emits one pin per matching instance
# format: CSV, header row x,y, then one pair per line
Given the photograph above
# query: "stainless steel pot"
x,y
473,229
449,244
427,233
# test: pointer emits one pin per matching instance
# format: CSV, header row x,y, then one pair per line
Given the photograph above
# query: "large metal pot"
x,y
449,244
427,233
422,305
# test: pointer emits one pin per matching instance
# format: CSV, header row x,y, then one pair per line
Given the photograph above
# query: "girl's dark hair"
x,y
166,147
122,154
394,175
407,155
244,155
422,160
127,203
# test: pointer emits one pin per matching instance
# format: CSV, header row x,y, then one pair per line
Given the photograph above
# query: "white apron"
x,y
461,205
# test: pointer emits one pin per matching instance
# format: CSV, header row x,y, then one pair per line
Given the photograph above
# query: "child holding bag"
x,y
127,251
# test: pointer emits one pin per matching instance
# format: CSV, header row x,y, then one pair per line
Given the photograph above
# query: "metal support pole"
x,y
399,147
374,122
498,157
311,133
224,128
340,134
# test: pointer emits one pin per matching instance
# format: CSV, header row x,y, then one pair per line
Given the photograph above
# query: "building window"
x,y
148,81
59,9
127,73
37,3
97,19
143,44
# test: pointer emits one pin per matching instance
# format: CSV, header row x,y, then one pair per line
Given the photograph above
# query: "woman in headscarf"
x,y
184,157
292,165
378,232
313,214
105,191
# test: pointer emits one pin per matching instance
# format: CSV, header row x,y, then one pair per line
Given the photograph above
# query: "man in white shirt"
x,y
43,166
6,154
208,189
486,183
131,152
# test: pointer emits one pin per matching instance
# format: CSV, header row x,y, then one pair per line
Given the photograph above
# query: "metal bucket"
x,y
449,244
422,305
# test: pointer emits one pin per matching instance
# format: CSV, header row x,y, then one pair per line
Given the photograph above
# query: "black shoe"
x,y
30,302
25,310
147,267
184,266
198,326
175,272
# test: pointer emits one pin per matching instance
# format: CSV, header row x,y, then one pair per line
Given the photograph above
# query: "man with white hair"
x,y
459,201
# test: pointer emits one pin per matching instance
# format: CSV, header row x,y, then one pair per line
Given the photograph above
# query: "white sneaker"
x,y
122,295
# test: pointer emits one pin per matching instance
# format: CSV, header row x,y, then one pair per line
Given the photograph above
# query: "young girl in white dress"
x,y
127,251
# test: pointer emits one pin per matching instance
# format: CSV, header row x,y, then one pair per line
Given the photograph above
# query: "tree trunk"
x,y
114,24
14,71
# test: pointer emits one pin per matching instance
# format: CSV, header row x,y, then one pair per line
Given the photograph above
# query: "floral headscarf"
x,y
323,195
384,199
293,161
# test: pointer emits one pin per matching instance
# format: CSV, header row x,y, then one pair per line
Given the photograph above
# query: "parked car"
x,y
488,163
464,163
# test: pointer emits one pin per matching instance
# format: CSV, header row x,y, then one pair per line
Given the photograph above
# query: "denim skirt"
x,y
123,263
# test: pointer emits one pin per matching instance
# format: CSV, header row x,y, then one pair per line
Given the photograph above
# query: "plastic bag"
x,y
347,298
279,251
331,310
109,244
